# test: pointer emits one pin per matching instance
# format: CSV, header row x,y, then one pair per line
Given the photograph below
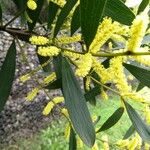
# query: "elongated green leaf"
x,y
0,14
118,11
139,125
129,132
140,74
63,14
72,140
75,22
7,73
143,5
54,85
52,11
21,4
91,14
76,105
34,15
112,120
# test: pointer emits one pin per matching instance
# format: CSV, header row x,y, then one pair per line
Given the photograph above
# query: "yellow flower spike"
x,y
67,131
147,113
65,112
79,142
117,71
138,30
51,105
105,143
104,95
87,83
50,78
25,77
101,71
32,94
48,108
133,144
48,51
146,146
84,65
95,147
68,40
104,32
38,40
122,143
139,141
31,4
72,55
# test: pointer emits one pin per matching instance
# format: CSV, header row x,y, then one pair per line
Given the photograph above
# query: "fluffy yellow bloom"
x,y
68,40
87,83
65,112
32,94
72,55
31,4
104,32
123,143
48,51
117,71
101,71
38,40
105,143
147,113
104,94
95,147
50,78
51,105
79,142
25,77
84,65
133,144
61,3
138,30
67,131
146,146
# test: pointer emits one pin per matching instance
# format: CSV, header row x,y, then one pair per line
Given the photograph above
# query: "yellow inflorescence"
x,y
104,32
61,3
79,142
119,77
72,55
95,147
84,65
65,112
48,51
32,94
101,71
25,77
67,131
39,40
105,143
68,40
147,113
51,105
138,30
50,78
31,4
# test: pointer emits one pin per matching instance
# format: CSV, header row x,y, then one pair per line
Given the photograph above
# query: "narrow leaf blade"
x,y
141,74
7,73
63,14
142,6
112,120
91,14
139,125
76,105
72,140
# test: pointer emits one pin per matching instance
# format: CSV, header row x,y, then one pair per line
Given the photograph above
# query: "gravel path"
x,y
19,117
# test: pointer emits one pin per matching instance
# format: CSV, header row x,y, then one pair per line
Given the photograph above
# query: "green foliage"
x,y
76,105
7,73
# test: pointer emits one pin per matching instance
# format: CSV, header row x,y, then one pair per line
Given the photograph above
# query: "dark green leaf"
x,y
139,125
34,14
52,11
143,75
140,87
75,22
91,14
118,11
7,73
76,105
42,60
129,132
72,140
63,14
21,4
112,120
0,14
54,85
142,6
